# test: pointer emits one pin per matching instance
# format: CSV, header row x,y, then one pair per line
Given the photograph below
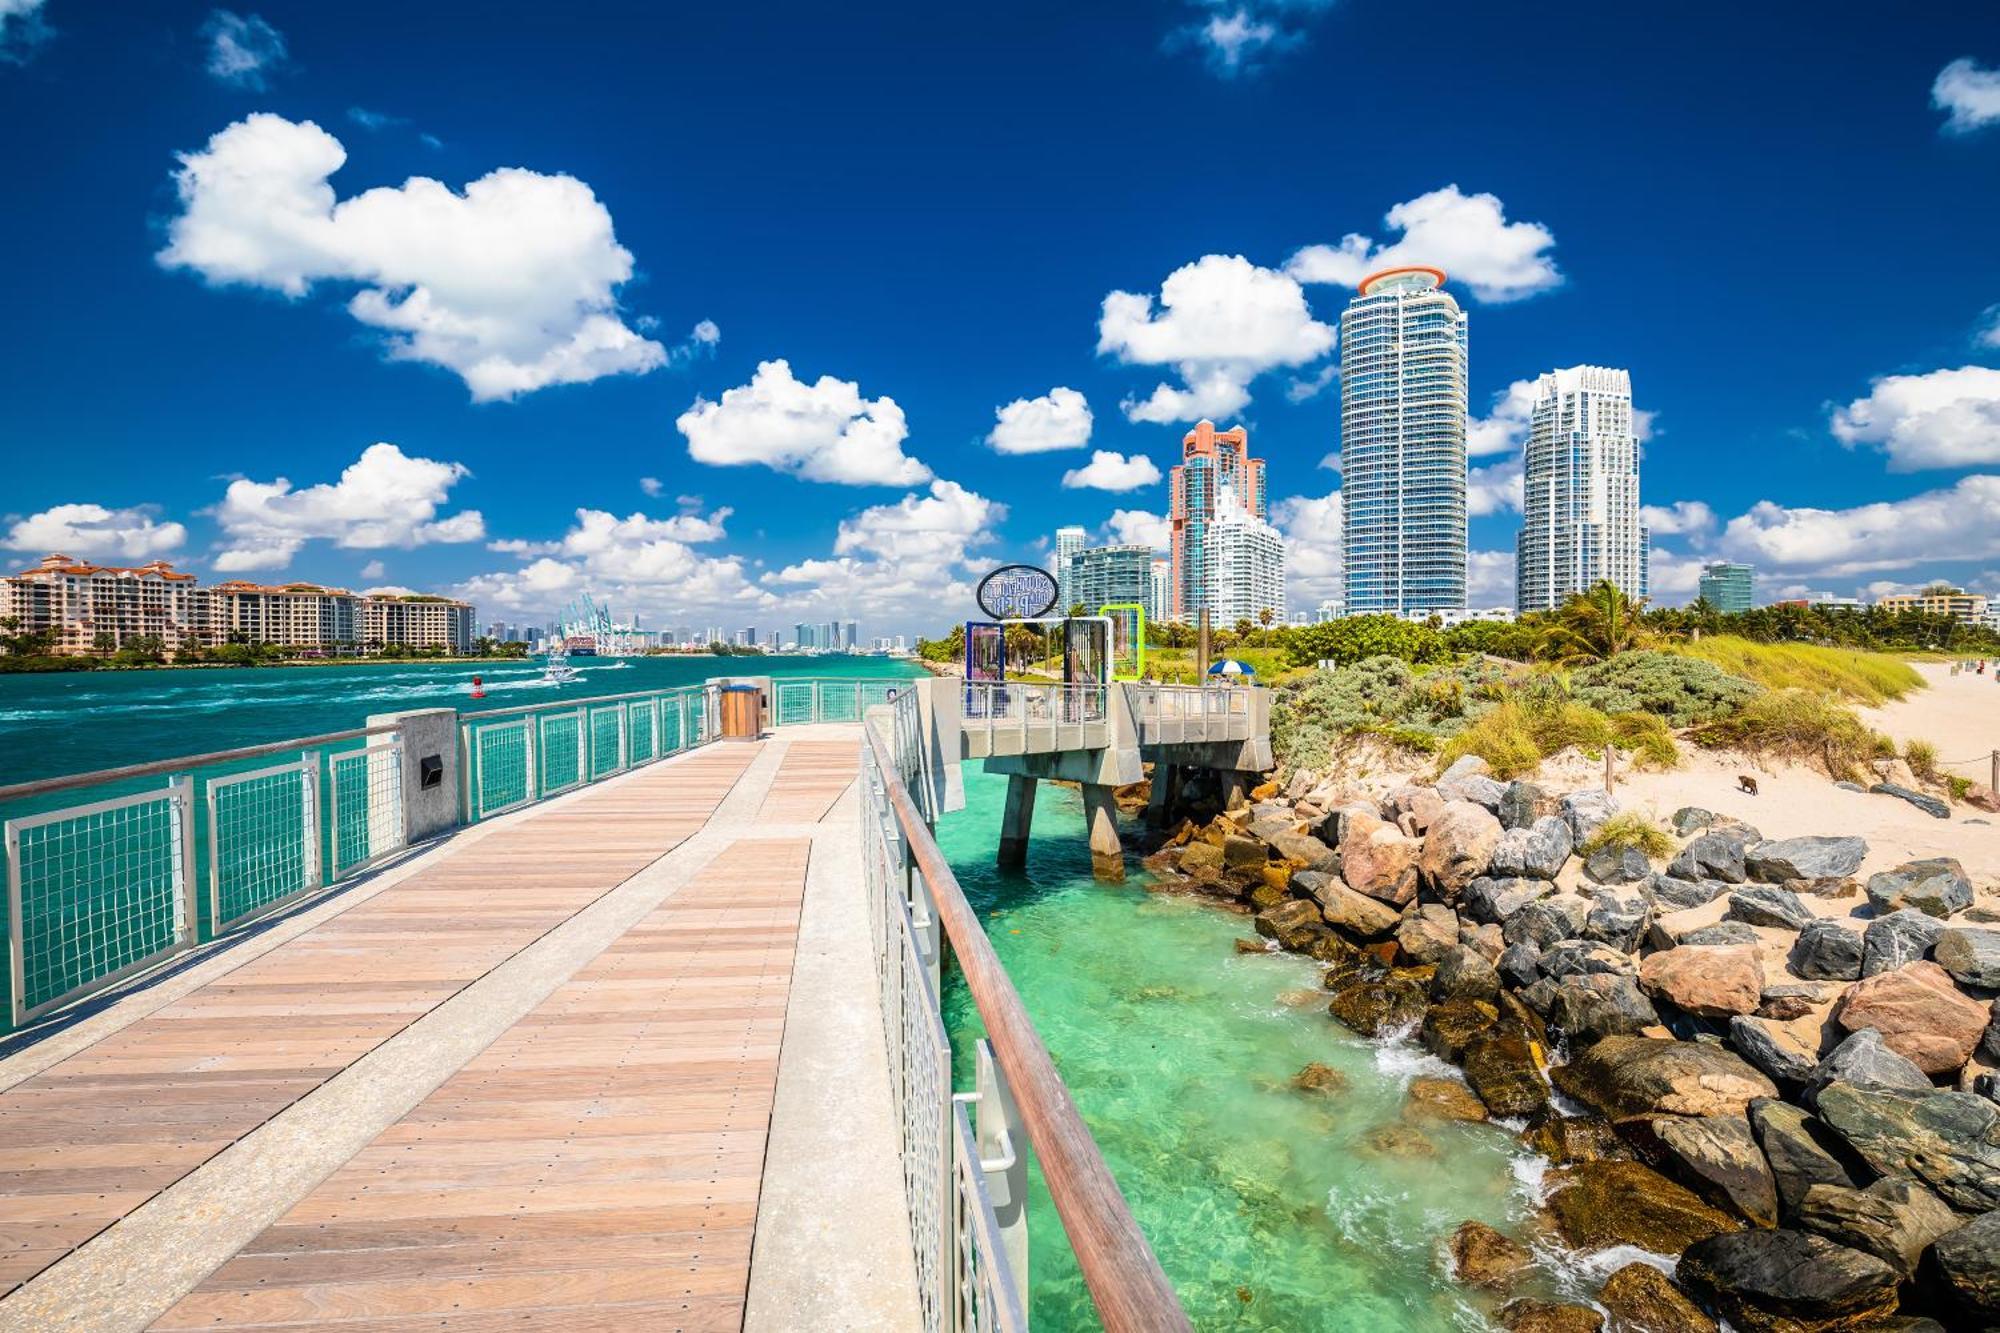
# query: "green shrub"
x,y
1802,724
1865,678
1646,737
1921,756
1683,690
1629,828
1957,786
1357,638
1503,737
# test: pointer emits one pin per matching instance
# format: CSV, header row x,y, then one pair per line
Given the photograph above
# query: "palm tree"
x,y
1593,626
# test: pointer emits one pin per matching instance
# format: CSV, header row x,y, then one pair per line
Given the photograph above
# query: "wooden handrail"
x,y
43,786
1126,1282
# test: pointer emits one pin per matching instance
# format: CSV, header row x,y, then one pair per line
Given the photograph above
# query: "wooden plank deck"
x,y
97,1135
596,1167
809,781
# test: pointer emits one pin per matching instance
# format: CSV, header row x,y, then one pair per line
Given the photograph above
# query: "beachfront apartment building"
x,y
85,606
1580,491
1112,575
304,616
1727,586
1403,494
1243,572
1214,464
413,620
1069,540
1965,607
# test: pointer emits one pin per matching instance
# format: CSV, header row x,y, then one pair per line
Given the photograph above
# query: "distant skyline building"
x,y
1727,587
1212,462
1108,575
1069,540
1580,491
1159,604
1402,444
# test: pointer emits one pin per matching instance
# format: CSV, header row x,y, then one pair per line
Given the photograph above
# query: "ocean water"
x,y
1269,1208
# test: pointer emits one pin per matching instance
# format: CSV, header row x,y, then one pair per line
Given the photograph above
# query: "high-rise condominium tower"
x,y
1402,444
1580,493
1068,542
1212,461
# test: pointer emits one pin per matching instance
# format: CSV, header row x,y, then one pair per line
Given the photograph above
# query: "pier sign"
x,y
1017,592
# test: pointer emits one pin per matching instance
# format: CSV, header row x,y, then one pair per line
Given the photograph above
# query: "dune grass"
x,y
1863,678
1803,724
1629,828
1515,735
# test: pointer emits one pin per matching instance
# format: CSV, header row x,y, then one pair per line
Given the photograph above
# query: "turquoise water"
x,y
1269,1208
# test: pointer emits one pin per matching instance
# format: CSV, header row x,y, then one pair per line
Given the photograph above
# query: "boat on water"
x,y
556,670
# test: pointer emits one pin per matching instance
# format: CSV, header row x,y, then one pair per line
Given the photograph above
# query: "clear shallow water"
x,y
1269,1208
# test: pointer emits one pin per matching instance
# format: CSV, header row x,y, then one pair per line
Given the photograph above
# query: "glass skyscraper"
x,y
1580,492
1727,587
1402,445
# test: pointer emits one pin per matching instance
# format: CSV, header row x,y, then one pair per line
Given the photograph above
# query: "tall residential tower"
x,y
1402,444
1212,462
1580,492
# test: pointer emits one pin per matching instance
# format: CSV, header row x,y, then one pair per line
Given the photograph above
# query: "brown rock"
x,y
1400,1141
1427,933
1252,946
1378,859
1893,1219
1576,1138
1444,1099
1374,1006
1356,913
1200,856
1982,797
1458,847
1626,1076
1598,1204
1483,1257
1300,998
1710,981
1642,1300
1505,1070
1448,1028
1531,1316
1239,853
1291,922
1264,791
1719,1156
1317,1077
1920,1013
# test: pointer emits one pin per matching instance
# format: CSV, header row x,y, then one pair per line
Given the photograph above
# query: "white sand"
x,y
1960,715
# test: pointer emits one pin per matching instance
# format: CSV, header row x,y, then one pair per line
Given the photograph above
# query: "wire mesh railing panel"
x,y
795,703
367,805
94,891
639,716
839,701
926,1111
605,737
983,1296
560,747
502,766
263,840
673,723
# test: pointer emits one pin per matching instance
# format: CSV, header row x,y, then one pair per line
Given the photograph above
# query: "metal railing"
x,y
1174,714
1025,717
511,757
829,699
100,890
964,1169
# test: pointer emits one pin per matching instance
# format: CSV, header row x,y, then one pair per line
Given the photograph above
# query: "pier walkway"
x,y
567,1068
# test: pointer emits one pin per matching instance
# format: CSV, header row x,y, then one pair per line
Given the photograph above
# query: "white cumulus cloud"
x,y
1682,518
936,529
1968,94
1466,235
1240,37
1137,527
1496,488
96,530
1311,525
385,498
824,431
1961,522
1059,419
1220,322
1504,429
1944,418
1489,578
1109,470
242,48
511,284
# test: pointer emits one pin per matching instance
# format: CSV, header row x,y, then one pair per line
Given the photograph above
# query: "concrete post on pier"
x,y
430,777
1100,816
1166,793
1017,821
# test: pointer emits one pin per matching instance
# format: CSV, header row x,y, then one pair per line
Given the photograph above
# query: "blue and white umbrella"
x,y
1229,666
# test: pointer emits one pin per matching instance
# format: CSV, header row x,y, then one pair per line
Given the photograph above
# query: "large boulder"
x,y
1478,788
1483,1257
1522,803
1588,1007
1773,1047
1292,923
1618,917
1504,1071
1691,819
1571,957
1800,1151
1633,1075
1586,811
1712,982
1719,1156
1491,901
1769,905
1971,955
1642,1299
1787,1000
1670,894
1787,1281
1720,932
1378,859
1864,1060
1547,920
1450,1027
1378,1005
1717,854
1428,932
1355,913
1969,1261
1520,963
1893,1219
1921,1015
1538,851
1458,847
1898,939
1948,1140
1930,805
1936,885
1600,1204
1774,862
1465,974
1530,1315
1616,865
1303,849
1826,951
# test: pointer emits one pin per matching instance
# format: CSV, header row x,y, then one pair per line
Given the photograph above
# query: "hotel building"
x,y
1966,607
1580,491
1213,463
1402,445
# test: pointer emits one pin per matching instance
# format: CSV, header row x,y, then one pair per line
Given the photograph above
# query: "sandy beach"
x,y
1959,714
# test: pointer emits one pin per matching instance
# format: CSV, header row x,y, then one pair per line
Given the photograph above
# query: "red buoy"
x,y
478,691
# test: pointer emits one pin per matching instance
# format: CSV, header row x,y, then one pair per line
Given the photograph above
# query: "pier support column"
x,y
1017,820
1100,816
1166,792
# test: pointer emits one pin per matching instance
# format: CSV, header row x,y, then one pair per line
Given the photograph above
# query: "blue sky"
x,y
403,296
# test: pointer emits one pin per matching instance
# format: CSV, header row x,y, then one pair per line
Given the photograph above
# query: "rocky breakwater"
x,y
1745,1057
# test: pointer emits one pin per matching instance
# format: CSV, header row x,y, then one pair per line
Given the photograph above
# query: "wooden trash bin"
x,y
742,712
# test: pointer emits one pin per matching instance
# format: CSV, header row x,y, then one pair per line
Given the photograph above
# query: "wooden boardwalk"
x,y
597,1165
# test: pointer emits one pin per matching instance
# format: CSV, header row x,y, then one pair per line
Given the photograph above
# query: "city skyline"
x,y
307,315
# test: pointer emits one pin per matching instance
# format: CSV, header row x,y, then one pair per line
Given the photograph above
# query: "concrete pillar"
x,y
1100,816
1166,792
1017,821
431,778
1235,792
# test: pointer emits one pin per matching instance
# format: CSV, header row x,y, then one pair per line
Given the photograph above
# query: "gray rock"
x,y
1930,805
1845,785
1969,1261
1971,956
1865,1061
1538,851
1716,854
1580,957
1618,918
1616,865
1678,893
1989,1044
1936,885
1428,933
1586,811
1895,1220
1689,818
1769,905
1778,1279
1948,1140
1772,1048
1720,1156
1898,938
1587,1007
1722,932
1493,900
1547,920
1464,974
1773,862
1795,999
1826,951
1466,766
1303,848
1522,803
1477,788
1355,913
1800,1150
1520,965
